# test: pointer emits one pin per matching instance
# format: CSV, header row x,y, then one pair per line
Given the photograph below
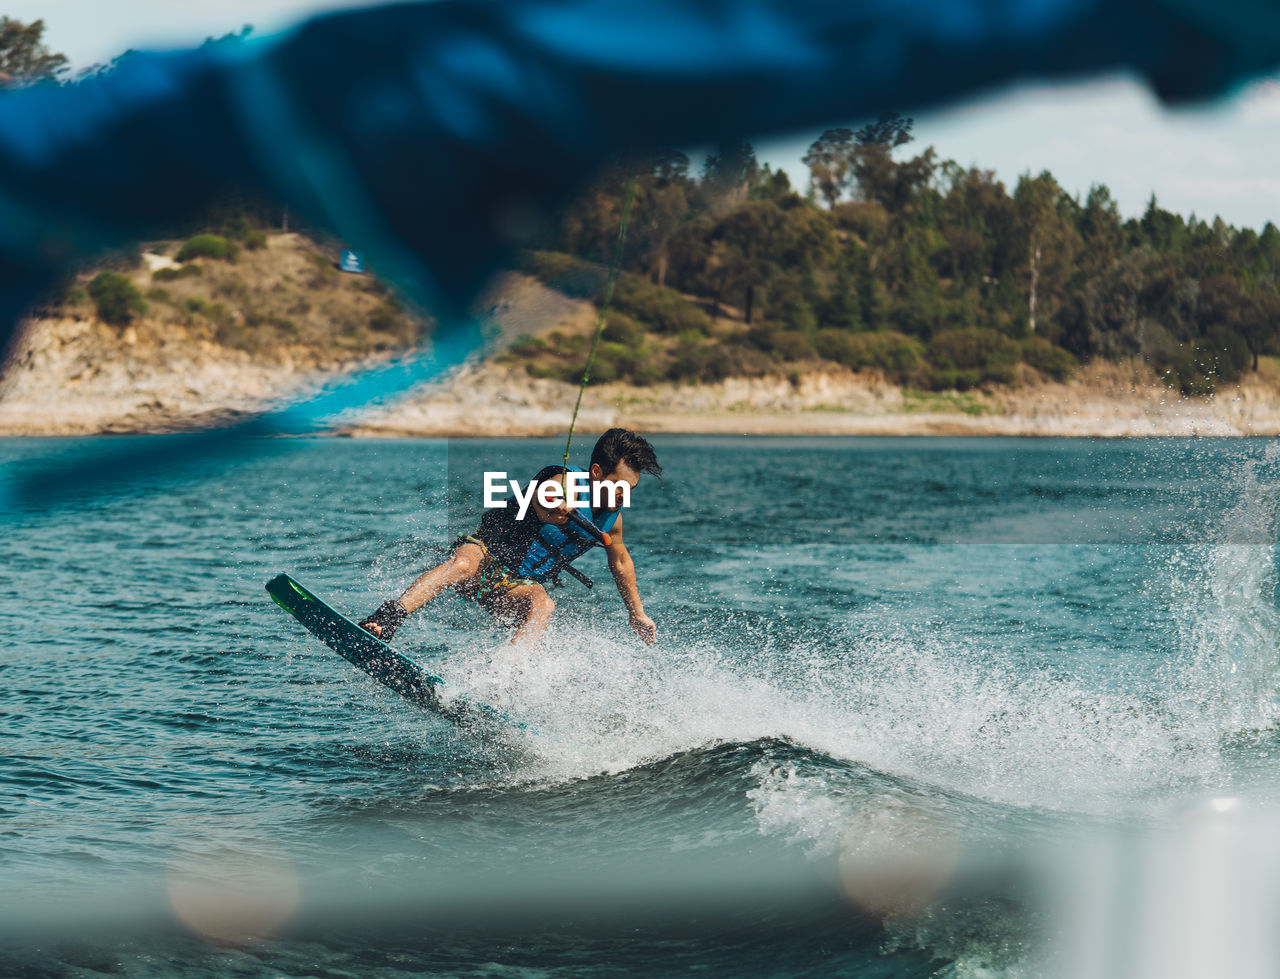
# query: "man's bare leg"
x,y
530,608
464,562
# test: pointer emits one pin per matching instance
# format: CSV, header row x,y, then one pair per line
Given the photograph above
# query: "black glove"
x,y
388,618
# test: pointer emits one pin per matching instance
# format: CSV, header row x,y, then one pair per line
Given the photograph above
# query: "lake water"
x,y
902,688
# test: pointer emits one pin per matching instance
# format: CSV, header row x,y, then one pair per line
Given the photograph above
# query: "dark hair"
x,y
621,445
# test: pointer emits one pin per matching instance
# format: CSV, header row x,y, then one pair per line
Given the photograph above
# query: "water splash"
x,y
1224,614
932,705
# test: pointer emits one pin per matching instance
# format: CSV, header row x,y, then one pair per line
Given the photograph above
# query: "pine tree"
x,y
843,308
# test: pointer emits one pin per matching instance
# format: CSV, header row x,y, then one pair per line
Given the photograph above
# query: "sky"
x,y
1214,160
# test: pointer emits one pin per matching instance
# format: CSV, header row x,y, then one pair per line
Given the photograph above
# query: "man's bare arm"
x,y
624,576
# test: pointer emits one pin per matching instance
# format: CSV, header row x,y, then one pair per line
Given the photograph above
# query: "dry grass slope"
x,y
216,338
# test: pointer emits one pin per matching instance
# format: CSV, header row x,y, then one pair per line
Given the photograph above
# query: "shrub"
x,y
967,357
253,240
661,309
894,353
1184,371
385,319
626,358
232,289
322,263
529,346
1225,353
736,357
790,344
1197,369
233,226
170,274
218,313
866,219
116,298
569,344
1048,358
257,319
207,246
700,362
796,315
781,344
159,296
646,373
948,378
613,361
543,371
844,347
566,274
621,328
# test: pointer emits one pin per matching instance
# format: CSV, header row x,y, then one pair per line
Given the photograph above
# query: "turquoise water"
x,y
959,652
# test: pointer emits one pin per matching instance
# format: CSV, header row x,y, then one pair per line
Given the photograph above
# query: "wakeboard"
x,y
412,681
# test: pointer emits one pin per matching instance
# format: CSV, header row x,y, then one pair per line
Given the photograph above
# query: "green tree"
x,y
1172,298
929,248
590,224
24,57
727,275
1161,229
670,166
893,185
1101,231
1228,308
975,215
1101,316
791,303
1269,251
876,174
890,129
660,207
830,162
729,173
774,185
843,310
871,305
1260,322
1045,241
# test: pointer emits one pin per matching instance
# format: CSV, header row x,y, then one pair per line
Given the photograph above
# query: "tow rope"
x,y
627,200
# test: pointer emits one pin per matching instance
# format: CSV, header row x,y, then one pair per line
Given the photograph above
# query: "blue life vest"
x,y
554,547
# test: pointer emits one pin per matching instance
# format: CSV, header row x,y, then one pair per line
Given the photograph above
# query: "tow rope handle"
x,y
585,525
574,572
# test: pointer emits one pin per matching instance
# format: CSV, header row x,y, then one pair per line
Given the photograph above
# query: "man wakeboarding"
x,y
506,564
